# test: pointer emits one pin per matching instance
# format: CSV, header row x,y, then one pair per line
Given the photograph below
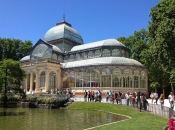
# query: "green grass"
x,y
139,120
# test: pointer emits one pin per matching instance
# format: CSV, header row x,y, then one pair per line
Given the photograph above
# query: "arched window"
x,y
95,79
60,58
127,82
106,78
97,53
84,55
66,57
106,71
136,72
106,52
54,56
127,54
86,79
77,56
79,78
143,80
136,82
90,54
42,79
127,71
123,53
41,51
116,71
71,57
52,81
115,52
116,80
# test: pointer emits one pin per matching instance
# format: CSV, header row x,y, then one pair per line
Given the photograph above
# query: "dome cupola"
x,y
63,30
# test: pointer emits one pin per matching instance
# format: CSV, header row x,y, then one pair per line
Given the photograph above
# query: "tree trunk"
x,y
172,88
163,90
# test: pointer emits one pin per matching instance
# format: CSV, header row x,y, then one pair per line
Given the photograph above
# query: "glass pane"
x,y
41,51
77,56
127,71
84,55
54,56
116,52
71,57
106,71
90,54
136,72
106,52
116,71
97,53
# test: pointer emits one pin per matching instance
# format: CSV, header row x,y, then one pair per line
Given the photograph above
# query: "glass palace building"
x,y
62,60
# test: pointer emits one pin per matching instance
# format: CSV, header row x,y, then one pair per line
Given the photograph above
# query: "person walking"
x,y
161,99
171,100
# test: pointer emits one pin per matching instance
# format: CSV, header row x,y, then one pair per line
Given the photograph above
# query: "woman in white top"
x,y
152,97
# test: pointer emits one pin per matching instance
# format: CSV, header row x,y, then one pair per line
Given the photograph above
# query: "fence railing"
x,y
164,111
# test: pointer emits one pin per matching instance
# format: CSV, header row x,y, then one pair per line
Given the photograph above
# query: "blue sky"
x,y
94,19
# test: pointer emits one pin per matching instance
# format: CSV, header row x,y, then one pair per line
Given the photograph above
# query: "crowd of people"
x,y
91,96
136,99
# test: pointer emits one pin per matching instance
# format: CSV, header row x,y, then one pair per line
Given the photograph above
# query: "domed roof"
x,y
26,58
119,61
107,42
63,30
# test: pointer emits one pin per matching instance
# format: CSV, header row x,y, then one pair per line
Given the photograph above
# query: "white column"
x,y
47,81
27,82
31,81
111,82
37,83
75,76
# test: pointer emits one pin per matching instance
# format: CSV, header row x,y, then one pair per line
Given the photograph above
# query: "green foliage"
x,y
162,39
14,48
41,99
1,97
136,43
11,78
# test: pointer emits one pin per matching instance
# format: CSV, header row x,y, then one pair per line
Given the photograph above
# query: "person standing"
x,y
171,100
133,99
161,99
85,96
116,97
156,98
152,97
107,96
89,96
127,98
73,93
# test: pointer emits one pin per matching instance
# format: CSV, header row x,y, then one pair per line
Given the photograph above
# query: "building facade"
x,y
61,60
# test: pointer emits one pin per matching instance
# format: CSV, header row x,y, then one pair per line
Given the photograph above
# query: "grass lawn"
x,y
139,120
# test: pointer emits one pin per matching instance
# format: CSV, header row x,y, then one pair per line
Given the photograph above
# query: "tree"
x,y
162,37
11,78
14,48
136,43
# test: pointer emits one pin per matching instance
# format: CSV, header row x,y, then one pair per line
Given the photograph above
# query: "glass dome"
x,y
63,30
